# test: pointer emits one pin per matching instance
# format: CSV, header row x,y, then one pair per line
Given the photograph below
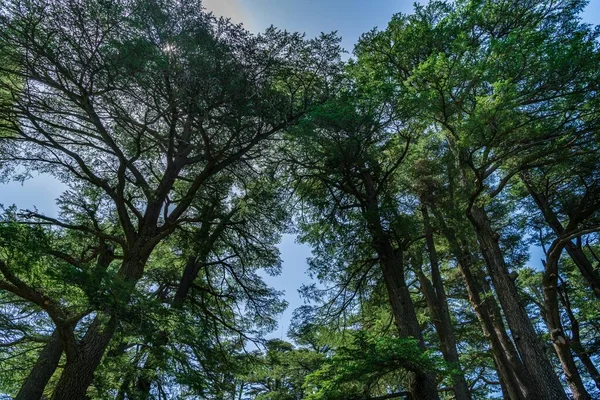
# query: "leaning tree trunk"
x,y
84,356
46,364
83,359
510,369
560,342
576,253
512,374
540,370
435,296
587,362
575,341
460,388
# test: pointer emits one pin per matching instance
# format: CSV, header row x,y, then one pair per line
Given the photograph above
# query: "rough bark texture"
x,y
513,377
83,360
543,378
435,296
560,342
48,359
421,386
511,371
575,341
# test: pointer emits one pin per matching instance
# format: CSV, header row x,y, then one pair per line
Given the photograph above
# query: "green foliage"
x,y
355,371
279,373
188,146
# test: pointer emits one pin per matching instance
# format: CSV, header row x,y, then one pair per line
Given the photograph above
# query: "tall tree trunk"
x,y
46,364
540,370
50,356
510,369
511,372
575,252
560,341
435,296
421,385
575,341
83,358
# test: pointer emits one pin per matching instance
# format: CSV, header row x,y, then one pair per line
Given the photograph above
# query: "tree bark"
x,y
560,342
543,378
50,356
435,296
575,341
82,360
576,253
421,385
44,368
84,356
513,377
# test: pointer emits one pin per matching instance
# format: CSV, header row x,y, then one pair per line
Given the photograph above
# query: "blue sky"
x,y
350,18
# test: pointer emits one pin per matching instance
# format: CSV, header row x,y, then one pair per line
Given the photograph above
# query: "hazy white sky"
x,y
233,9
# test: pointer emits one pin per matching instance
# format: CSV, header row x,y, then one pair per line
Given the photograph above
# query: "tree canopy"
x,y
422,172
